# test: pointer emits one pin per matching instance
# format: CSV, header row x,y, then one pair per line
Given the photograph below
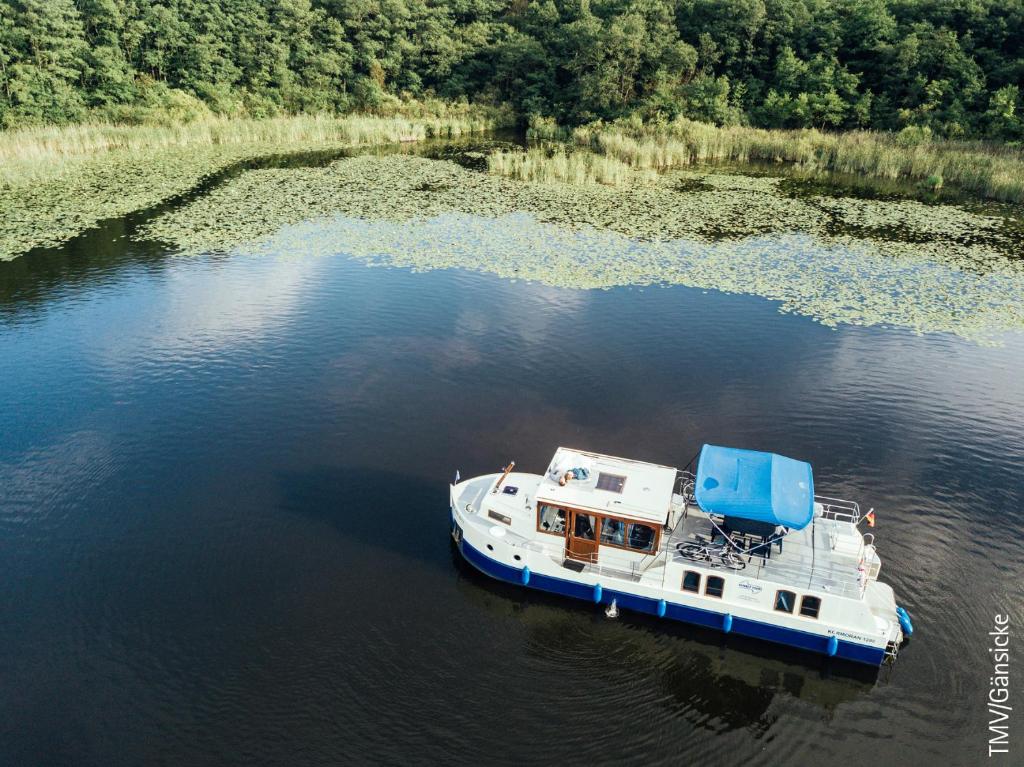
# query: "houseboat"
x,y
739,543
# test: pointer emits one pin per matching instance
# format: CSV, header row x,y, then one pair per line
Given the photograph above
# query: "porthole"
x,y
490,547
516,557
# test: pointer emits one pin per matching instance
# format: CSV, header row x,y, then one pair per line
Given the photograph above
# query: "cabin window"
x,y
691,581
809,607
613,531
613,483
641,537
584,526
785,601
715,586
551,519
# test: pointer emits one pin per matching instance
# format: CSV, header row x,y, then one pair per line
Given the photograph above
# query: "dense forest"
x,y
952,66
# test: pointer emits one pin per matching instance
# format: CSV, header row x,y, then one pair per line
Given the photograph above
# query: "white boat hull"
x,y
488,540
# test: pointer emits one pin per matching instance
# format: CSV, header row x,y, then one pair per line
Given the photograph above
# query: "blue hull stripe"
x,y
708,618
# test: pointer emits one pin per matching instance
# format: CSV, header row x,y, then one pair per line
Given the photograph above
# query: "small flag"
x,y
870,517
457,475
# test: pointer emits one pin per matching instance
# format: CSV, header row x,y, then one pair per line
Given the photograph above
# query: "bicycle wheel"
x,y
693,551
732,560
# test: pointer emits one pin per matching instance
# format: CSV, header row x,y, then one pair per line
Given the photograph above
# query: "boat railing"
x,y
685,483
649,560
557,553
851,586
635,571
765,570
838,509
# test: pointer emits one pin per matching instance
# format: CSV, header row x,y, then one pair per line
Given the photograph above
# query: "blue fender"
x,y
727,623
525,577
833,646
662,606
904,618
597,593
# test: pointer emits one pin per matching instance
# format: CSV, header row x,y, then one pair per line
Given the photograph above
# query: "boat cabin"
x,y
604,507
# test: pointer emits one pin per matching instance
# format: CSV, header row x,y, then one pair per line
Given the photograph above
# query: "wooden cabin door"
x,y
581,541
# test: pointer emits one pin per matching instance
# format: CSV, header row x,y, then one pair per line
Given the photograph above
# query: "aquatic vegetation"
x,y
733,181
911,216
994,171
46,213
258,203
57,181
825,258
846,281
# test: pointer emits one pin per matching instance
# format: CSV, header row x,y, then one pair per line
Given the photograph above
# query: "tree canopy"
x,y
953,67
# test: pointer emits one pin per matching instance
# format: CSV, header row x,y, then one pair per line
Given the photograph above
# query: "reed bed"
x,y
34,152
558,165
546,129
989,170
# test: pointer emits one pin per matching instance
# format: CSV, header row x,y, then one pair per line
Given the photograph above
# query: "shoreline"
x,y
56,182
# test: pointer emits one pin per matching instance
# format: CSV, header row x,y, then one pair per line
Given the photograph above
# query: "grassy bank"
x,y
57,181
992,171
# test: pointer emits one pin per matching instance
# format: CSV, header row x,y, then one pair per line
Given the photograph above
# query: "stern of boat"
x,y
892,621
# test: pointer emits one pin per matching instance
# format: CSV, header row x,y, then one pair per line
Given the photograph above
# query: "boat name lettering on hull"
x,y
851,637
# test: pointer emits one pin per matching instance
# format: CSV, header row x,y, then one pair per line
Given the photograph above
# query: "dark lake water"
x,y
223,516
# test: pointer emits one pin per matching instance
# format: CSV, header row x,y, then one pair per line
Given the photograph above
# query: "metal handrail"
x,y
766,571
558,554
788,575
641,567
685,481
838,509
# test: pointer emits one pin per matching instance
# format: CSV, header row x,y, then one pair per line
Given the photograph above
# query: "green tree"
x,y
948,65
1003,114
45,51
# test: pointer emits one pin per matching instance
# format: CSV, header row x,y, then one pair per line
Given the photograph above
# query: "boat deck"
x,y
823,556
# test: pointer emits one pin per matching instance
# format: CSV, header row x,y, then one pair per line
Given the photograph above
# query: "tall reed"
x,y
546,129
580,167
48,143
990,170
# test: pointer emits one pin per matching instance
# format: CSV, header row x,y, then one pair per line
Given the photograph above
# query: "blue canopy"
x,y
763,487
